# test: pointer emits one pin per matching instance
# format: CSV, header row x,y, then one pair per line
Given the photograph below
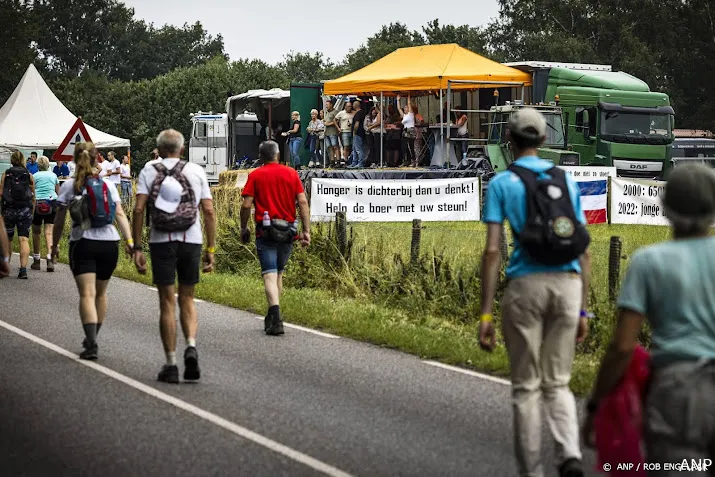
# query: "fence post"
x,y
342,231
416,238
614,267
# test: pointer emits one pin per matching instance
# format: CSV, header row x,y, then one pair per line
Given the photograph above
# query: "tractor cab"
x,y
554,149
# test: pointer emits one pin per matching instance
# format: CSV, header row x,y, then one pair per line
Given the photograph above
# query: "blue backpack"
x,y
100,205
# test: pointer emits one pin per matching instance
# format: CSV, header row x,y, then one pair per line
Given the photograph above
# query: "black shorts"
x,y
94,256
172,259
20,219
44,219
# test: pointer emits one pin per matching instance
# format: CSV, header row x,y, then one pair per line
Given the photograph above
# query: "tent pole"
x,y
449,115
382,124
322,97
441,125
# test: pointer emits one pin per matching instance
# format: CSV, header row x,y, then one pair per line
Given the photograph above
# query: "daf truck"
x,y
613,118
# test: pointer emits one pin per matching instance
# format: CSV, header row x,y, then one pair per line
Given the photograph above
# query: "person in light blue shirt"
x,y
672,286
47,186
541,323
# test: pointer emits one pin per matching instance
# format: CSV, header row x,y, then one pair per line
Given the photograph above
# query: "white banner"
x,y
401,200
637,202
589,173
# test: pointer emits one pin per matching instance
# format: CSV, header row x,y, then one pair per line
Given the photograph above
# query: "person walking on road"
x,y
94,205
5,249
544,305
17,187
679,414
176,192
274,190
47,188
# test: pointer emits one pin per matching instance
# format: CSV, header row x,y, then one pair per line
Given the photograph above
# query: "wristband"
x,y
6,259
211,250
587,315
486,318
138,248
130,242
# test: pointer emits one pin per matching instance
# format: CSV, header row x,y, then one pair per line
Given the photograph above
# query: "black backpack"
x,y
16,192
552,235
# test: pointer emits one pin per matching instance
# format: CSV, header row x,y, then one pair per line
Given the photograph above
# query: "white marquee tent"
x,y
33,118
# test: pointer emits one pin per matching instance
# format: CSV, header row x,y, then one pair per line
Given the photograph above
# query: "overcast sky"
x,y
268,30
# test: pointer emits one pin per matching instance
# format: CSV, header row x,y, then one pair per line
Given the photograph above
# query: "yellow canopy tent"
x,y
427,68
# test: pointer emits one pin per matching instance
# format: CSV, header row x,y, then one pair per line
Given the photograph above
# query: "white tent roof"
x,y
33,117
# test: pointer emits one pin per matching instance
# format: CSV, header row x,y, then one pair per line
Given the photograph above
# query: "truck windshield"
x,y
554,130
636,128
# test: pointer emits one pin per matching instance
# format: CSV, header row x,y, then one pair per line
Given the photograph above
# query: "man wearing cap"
x,y
671,285
175,254
274,189
540,310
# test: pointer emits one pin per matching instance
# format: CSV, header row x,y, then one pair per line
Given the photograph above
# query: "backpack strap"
x,y
528,178
178,168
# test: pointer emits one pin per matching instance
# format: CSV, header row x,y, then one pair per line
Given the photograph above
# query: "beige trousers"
x,y
540,315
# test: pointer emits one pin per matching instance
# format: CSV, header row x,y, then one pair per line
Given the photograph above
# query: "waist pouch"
x,y
280,231
44,207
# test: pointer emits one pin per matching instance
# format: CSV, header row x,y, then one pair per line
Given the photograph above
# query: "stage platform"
x,y
386,174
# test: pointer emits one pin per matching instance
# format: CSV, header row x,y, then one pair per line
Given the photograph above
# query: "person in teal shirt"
x,y
47,186
671,285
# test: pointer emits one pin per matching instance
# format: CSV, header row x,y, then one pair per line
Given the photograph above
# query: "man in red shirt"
x,y
274,190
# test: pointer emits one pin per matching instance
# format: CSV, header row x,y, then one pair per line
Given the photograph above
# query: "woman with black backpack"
x,y
94,204
18,205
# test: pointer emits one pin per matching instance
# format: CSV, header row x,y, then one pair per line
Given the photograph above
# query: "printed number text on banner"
x,y
637,202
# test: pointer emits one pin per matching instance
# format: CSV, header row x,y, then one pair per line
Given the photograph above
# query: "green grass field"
x,y
372,292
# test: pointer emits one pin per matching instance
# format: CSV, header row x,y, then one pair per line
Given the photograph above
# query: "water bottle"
x,y
266,219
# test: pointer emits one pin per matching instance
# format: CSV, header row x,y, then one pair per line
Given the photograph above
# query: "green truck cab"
x,y
555,148
613,118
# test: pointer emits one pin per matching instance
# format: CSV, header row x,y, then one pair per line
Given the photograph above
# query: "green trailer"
x,y
303,98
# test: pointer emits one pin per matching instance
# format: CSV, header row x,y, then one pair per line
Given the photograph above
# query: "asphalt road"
x,y
303,404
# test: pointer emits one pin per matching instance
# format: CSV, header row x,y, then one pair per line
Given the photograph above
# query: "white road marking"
x,y
469,373
307,330
190,408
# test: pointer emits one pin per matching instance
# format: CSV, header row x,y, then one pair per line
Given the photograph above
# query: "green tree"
x,y
471,38
102,35
388,39
307,67
15,48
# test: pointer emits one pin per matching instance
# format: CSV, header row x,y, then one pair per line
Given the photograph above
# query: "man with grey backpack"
x,y
175,192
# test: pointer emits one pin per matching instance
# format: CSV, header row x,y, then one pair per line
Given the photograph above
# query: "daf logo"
x,y
639,166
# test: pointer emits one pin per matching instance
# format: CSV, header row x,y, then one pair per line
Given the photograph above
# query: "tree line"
x,y
132,79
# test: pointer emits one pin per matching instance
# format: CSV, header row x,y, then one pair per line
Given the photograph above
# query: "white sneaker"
x,y
311,164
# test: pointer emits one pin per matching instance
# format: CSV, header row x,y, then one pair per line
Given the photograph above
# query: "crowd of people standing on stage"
x,y
353,137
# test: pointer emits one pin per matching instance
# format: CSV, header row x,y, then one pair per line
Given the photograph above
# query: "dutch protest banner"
x,y
637,202
399,200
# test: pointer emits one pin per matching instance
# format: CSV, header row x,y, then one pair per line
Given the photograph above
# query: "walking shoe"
x,y
267,322
191,364
571,468
35,264
50,266
169,374
23,274
275,327
90,352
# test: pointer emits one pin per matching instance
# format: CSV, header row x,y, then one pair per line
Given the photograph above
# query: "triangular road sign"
x,y
78,133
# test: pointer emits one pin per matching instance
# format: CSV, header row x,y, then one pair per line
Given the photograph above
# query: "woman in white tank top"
x,y
408,132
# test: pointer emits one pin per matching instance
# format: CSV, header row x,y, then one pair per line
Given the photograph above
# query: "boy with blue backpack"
x,y
94,205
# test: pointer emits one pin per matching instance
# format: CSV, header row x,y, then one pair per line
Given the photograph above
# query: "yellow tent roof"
x,y
426,68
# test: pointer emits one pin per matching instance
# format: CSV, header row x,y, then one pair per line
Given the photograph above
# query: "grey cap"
x,y
528,123
690,191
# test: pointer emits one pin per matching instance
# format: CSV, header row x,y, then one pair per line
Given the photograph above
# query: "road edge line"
x,y
468,372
